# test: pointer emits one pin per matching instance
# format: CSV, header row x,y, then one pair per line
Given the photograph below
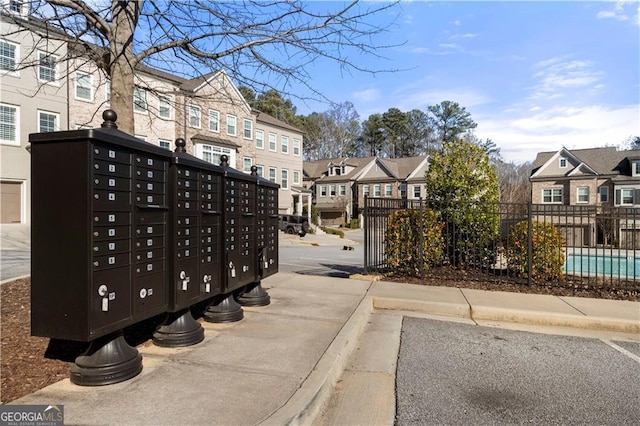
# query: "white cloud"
x,y
463,36
617,12
414,97
420,50
522,137
556,75
368,95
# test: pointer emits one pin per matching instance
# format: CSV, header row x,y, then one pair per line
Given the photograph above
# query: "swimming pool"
x,y
603,265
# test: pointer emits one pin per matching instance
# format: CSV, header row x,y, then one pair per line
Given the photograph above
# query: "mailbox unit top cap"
x,y
108,132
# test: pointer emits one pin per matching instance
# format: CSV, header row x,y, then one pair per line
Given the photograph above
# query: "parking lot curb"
x,y
308,401
457,310
555,319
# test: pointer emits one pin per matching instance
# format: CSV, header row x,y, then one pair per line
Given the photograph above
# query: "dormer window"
x,y
17,7
563,162
635,168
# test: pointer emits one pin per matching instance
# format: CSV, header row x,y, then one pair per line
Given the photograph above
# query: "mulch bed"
x,y
23,367
446,276
30,363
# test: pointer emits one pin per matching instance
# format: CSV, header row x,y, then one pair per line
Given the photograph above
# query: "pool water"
x,y
610,266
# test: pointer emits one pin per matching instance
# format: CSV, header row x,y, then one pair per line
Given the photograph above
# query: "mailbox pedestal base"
x,y
223,310
178,329
253,295
109,359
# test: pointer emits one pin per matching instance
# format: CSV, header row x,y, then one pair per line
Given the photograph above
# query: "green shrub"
x,y
547,250
413,241
333,231
352,224
314,213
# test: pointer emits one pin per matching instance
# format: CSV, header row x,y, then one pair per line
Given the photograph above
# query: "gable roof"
x,y
196,84
599,161
395,168
318,169
403,167
263,117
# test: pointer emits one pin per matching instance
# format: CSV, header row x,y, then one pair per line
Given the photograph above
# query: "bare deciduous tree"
x,y
333,133
261,44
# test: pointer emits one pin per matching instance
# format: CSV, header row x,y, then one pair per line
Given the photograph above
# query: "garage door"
x,y
10,202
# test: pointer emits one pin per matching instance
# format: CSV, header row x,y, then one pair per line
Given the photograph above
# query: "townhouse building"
x,y
586,184
32,99
339,185
41,92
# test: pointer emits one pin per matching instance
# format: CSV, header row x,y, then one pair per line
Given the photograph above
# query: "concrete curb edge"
x,y
314,393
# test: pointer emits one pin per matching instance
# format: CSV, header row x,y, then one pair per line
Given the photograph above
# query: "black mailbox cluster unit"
x,y
123,231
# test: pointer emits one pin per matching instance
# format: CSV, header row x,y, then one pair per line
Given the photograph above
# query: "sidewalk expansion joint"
x,y
572,307
469,305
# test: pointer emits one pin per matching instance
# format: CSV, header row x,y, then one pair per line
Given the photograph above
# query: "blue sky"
x,y
535,76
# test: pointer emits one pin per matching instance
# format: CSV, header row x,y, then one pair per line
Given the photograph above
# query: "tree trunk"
x,y
125,19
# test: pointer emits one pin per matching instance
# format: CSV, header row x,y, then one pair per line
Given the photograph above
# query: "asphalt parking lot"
x,y
450,373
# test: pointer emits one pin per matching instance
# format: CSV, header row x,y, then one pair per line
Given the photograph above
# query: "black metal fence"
x,y
600,246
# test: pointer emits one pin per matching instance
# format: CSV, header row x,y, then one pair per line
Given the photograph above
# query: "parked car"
x,y
292,224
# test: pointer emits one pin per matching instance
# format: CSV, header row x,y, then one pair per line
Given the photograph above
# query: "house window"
x,y
259,139
563,162
272,174
47,67
376,190
84,86
323,190
272,142
231,125
248,129
365,190
212,153
583,194
417,191
388,190
163,143
194,116
284,181
48,121
332,190
247,162
296,147
336,171
9,124
626,196
403,190
16,6
214,120
636,168
604,194
342,190
284,142
139,100
260,170
296,177
8,56
164,108
552,195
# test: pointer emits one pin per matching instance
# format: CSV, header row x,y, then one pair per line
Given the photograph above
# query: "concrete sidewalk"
x,y
280,363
